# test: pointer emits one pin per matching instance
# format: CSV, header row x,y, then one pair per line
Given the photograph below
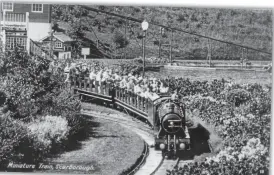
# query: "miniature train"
x,y
166,116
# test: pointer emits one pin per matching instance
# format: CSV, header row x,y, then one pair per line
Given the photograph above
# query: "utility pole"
x,y
161,33
170,47
209,52
144,50
125,34
51,45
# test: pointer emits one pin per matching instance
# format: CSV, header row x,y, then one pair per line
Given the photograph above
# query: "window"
x,y
11,42
37,8
58,44
67,48
7,6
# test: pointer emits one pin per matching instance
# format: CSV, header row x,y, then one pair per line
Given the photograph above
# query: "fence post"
x,y
117,93
96,87
142,104
139,102
107,88
85,84
90,85
146,105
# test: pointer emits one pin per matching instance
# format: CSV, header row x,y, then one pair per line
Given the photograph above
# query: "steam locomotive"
x,y
171,132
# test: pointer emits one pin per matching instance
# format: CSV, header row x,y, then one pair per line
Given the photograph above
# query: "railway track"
x,y
164,165
153,163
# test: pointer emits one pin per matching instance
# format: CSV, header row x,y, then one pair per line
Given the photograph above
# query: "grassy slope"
x,y
247,27
103,149
242,26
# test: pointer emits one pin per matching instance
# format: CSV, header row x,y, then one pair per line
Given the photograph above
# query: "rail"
x,y
15,17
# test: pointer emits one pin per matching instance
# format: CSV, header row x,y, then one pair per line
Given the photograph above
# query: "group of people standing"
x,y
134,82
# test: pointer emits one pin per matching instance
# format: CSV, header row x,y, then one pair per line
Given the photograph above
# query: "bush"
x,y
31,89
238,96
12,133
47,131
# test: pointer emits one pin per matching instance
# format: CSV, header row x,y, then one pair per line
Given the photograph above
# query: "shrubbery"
x,y
48,129
240,115
12,133
38,116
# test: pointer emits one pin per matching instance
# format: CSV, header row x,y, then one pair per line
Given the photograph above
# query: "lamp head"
x,y
144,25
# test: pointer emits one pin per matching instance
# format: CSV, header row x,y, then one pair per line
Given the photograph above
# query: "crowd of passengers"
x,y
134,82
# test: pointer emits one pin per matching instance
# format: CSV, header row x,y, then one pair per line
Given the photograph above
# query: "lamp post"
x,y
144,27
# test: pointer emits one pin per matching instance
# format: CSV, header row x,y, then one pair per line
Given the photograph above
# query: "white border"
x,y
179,3
182,3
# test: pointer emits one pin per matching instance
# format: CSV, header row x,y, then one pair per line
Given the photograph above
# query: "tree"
x,y
120,40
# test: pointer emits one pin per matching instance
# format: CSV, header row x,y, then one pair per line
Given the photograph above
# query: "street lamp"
x,y
144,27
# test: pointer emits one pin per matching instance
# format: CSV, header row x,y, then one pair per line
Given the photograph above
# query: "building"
x,y
23,23
61,45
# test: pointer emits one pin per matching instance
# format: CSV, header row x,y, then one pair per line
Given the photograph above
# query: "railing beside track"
x,y
108,92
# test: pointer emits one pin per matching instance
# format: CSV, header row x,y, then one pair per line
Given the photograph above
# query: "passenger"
x,y
84,71
123,83
140,78
136,76
137,88
130,75
77,70
98,80
105,75
130,85
175,96
92,76
163,88
151,95
154,85
116,76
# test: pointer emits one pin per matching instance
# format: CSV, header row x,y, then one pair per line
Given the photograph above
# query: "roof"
x,y
62,37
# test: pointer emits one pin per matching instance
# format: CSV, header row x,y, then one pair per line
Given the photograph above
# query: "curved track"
x,y
153,163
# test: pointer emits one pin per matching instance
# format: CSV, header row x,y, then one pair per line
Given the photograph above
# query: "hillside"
x,y
248,27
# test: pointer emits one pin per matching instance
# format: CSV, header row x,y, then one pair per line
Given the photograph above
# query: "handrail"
x,y
15,17
109,91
